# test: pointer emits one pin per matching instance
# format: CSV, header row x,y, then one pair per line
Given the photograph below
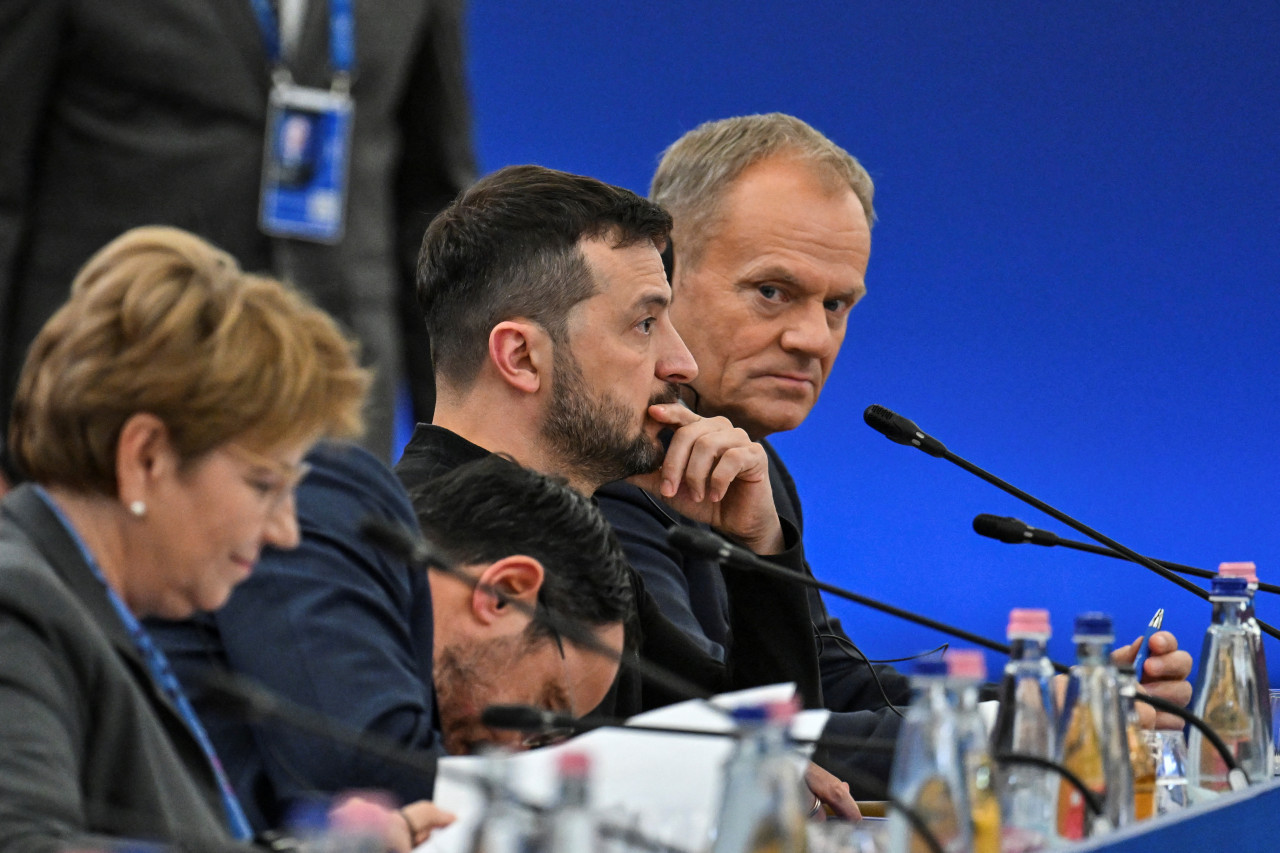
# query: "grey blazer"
x,y
91,751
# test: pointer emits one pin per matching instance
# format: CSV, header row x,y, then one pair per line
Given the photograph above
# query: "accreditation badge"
x,y
306,162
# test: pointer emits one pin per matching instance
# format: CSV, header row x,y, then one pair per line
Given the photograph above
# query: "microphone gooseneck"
x,y
704,543
886,422
1015,532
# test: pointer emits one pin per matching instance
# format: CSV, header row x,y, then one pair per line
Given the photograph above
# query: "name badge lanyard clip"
x,y
307,148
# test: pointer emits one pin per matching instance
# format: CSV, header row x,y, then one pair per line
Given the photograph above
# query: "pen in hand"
x,y
1144,647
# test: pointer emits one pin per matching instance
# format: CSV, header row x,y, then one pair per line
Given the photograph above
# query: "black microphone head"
x,y
392,538
1000,527
885,422
696,542
519,718
900,430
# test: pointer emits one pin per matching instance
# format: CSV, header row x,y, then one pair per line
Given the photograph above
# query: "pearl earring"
x,y
138,508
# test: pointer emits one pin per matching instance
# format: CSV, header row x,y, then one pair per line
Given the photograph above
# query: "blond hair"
x,y
699,168
159,321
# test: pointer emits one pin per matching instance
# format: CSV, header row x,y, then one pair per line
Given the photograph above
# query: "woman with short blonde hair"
x,y
162,418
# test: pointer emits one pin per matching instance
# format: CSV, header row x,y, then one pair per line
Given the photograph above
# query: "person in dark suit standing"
x,y
163,417
145,112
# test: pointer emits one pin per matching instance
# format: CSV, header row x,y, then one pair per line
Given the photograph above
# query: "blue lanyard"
x,y
342,34
164,677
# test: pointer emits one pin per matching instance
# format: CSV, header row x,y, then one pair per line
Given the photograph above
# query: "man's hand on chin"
x,y
714,473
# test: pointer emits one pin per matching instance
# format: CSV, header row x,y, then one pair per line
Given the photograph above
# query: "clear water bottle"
x,y
572,823
1091,735
1141,759
1226,695
507,825
762,809
966,672
927,774
1025,723
1249,572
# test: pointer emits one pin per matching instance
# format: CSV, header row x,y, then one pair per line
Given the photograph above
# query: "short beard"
x,y
464,678
592,435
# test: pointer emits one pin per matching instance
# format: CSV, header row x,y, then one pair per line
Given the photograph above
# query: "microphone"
x,y
704,543
393,539
413,549
1014,531
896,428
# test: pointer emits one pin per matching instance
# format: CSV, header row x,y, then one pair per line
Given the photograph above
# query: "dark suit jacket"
x,y
90,749
146,112
692,593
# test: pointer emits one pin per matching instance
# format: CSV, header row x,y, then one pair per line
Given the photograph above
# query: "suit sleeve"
x,y
771,639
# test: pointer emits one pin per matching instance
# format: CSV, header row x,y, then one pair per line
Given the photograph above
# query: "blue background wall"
x,y
1073,282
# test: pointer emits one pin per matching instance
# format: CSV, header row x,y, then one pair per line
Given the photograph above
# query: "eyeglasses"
x,y
273,492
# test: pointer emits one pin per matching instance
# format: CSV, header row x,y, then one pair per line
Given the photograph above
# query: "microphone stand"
x,y
990,525
902,431
707,544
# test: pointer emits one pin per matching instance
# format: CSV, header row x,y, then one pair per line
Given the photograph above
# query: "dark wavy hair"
x,y
492,508
508,247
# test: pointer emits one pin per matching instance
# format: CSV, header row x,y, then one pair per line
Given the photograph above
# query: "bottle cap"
x,y
1229,588
750,715
929,666
1028,620
1094,624
1248,571
781,712
574,763
966,663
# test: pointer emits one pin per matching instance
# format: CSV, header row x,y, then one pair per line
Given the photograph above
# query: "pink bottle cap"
x,y
574,763
1028,620
1248,571
966,663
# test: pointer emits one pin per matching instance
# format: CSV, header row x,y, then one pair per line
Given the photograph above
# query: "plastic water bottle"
x,y
1091,735
1141,759
1249,572
1025,723
761,810
507,825
573,826
1226,695
927,774
966,671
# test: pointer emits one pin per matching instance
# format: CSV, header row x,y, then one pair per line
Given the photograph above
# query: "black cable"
x,y
937,650
875,676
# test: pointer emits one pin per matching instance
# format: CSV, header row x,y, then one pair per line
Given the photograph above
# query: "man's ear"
x,y
516,577
521,352
143,457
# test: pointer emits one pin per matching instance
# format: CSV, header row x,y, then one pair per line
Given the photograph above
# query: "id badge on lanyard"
x,y
306,158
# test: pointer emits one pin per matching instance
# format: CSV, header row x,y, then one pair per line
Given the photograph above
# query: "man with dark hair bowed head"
x,y
384,648
769,253
548,312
